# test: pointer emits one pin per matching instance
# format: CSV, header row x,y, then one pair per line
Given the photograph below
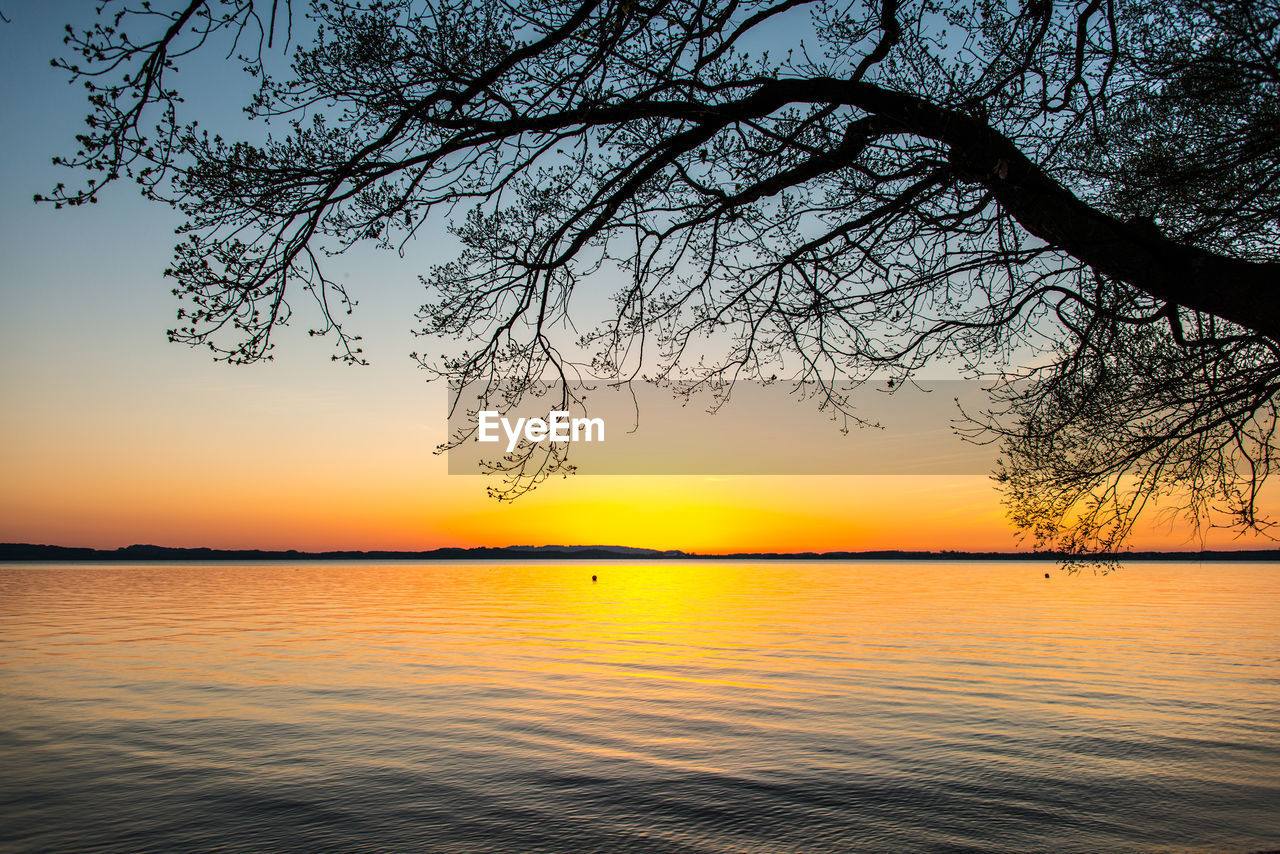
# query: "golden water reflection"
x,y
909,704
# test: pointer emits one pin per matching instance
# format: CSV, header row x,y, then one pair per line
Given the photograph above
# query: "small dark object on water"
x,y
593,578
1046,575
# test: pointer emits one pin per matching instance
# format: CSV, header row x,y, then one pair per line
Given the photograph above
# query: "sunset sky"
x,y
112,436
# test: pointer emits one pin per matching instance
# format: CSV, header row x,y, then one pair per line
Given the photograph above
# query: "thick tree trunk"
x,y
1244,292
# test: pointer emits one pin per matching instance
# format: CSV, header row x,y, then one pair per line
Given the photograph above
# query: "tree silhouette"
x,y
828,191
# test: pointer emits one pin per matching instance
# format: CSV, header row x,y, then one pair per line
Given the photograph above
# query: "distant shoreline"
x,y
33,553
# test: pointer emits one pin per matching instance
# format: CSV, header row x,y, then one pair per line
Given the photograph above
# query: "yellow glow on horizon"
x,y
354,478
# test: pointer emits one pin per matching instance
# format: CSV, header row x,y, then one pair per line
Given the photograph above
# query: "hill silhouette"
x,y
35,553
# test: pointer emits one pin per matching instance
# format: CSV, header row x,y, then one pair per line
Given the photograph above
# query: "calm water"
x,y
668,707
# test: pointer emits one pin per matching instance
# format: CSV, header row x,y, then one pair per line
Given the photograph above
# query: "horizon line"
x,y
33,552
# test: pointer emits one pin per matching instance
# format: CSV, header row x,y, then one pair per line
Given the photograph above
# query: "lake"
x,y
669,706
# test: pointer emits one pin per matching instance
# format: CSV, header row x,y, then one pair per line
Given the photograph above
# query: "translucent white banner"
x,y
759,429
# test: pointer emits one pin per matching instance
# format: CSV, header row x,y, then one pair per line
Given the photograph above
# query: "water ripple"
x,y
673,707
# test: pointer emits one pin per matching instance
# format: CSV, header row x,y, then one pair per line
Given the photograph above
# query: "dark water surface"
x,y
669,707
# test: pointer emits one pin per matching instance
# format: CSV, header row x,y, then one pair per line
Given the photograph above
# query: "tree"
x,y
1089,188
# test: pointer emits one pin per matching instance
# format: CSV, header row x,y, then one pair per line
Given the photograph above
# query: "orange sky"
x,y
111,436
256,458
278,457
